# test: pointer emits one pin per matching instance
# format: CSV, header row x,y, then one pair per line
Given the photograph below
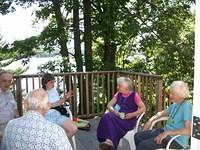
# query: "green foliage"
x,y
56,66
49,38
19,71
162,30
18,50
137,65
169,41
15,51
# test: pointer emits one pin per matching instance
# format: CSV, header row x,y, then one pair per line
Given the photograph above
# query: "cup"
x,y
75,119
122,115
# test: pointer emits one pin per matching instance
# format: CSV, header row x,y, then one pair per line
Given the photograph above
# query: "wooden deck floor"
x,y
86,140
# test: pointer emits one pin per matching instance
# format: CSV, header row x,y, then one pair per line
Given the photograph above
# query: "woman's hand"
x,y
116,113
161,137
68,95
128,116
147,125
61,101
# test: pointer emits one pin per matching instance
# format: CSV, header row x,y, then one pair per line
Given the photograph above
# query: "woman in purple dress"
x,y
124,108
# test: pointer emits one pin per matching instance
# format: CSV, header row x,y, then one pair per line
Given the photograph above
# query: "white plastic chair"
x,y
71,117
129,136
171,140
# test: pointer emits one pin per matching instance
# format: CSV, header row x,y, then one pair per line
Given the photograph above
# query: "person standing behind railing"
x,y
54,115
8,105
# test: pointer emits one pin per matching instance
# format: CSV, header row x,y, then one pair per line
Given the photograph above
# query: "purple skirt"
x,y
114,128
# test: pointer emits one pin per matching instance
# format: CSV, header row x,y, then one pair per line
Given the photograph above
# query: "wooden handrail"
x,y
93,90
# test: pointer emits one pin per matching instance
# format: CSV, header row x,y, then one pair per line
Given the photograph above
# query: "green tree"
x,y
112,27
167,31
87,12
22,49
115,30
77,41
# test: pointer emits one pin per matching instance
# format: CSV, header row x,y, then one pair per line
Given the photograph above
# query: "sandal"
x,y
105,146
82,124
86,127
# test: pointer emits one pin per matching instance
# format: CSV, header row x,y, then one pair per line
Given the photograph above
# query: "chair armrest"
x,y
138,121
70,113
158,120
170,141
67,107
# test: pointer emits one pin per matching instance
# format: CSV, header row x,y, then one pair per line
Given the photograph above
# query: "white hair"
x,y
37,99
126,80
180,88
120,80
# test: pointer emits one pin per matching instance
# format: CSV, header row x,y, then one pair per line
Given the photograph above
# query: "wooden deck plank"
x,y
87,140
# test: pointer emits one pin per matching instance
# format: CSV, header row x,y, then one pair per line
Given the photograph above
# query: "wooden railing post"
x,y
19,95
159,95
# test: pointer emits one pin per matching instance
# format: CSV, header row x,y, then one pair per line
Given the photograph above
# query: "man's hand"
x,y
161,136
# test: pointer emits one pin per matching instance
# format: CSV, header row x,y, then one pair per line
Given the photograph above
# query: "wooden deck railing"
x,y
92,90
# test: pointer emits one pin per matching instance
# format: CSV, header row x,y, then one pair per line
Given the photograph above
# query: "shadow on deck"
x,y
87,140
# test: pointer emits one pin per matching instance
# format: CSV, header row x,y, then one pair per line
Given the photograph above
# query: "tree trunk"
x,y
109,54
62,37
88,46
77,44
77,41
87,35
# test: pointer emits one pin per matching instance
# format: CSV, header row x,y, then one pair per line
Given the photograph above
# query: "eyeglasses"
x,y
7,81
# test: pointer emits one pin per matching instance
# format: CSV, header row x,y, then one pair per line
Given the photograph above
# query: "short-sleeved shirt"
x,y
179,114
33,132
53,95
136,99
8,106
53,115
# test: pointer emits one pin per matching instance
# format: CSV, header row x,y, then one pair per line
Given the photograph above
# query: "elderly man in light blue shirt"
x,y
8,106
32,131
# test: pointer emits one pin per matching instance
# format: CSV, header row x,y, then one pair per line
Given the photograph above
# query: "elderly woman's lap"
x,y
145,140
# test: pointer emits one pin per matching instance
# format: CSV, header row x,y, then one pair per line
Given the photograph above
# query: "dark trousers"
x,y
145,140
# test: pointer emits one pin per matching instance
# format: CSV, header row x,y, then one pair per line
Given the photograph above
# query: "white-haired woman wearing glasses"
x,y
179,122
